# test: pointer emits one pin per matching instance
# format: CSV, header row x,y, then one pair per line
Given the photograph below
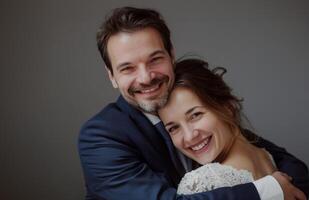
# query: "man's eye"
x,y
126,69
156,59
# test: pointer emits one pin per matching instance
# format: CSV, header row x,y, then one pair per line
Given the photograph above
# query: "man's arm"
x,y
288,164
289,190
114,170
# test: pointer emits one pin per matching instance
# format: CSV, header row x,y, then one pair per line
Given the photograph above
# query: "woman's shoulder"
x,y
212,176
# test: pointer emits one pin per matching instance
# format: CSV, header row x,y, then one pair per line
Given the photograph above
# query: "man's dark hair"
x,y
129,19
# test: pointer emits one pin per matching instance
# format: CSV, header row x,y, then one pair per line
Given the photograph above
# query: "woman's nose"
x,y
190,135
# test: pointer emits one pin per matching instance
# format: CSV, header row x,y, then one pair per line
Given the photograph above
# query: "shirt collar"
x,y
152,118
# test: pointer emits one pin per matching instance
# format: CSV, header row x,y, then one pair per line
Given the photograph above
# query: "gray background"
x,y
53,79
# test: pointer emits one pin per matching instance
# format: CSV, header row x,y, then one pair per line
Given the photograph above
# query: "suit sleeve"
x,y
288,164
114,170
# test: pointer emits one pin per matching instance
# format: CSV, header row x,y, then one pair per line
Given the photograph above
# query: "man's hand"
x,y
290,192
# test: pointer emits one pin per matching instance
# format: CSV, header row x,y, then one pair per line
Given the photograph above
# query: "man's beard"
x,y
151,106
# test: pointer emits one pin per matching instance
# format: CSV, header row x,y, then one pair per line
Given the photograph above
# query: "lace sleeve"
x,y
212,176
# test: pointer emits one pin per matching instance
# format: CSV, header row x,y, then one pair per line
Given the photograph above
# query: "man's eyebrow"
x,y
156,53
122,65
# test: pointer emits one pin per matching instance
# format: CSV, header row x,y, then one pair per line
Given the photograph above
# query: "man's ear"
x,y
111,78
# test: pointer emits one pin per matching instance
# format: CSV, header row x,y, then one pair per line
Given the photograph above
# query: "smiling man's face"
x,y
142,68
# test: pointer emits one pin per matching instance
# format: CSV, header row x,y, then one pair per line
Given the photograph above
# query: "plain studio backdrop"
x,y
53,78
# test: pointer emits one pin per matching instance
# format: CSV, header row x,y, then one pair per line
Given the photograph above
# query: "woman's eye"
x,y
172,130
196,116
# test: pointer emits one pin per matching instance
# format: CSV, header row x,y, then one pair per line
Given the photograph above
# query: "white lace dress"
x,y
212,176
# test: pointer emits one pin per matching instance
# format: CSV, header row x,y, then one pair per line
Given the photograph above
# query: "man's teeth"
x,y
201,145
150,90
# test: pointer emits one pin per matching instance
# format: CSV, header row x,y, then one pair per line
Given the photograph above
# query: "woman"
x,y
203,119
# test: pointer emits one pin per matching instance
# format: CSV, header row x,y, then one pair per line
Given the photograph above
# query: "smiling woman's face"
x,y
195,130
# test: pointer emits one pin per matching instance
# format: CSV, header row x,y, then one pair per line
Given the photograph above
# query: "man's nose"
x,y
144,75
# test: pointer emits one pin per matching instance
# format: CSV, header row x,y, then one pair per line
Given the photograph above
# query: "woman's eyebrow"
x,y
192,109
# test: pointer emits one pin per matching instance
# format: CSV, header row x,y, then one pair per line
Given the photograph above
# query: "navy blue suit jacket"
x,y
124,157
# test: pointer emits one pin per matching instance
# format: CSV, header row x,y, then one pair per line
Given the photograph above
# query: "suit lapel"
x,y
153,137
147,129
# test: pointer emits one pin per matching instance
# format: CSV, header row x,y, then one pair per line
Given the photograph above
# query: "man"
x,y
123,153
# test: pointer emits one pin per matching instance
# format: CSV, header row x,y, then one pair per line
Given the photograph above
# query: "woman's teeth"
x,y
201,145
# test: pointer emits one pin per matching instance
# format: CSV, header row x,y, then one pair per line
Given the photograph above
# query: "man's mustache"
x,y
153,82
